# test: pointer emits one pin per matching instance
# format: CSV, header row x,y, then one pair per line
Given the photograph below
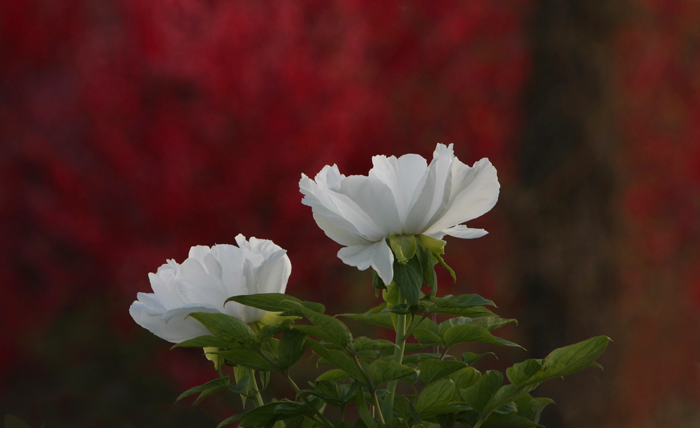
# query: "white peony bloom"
x,y
204,281
403,196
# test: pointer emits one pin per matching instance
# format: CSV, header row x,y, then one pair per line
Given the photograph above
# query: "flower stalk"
x,y
398,358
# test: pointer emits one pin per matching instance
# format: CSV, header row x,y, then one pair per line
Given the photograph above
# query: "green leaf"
x,y
382,319
365,415
508,393
403,246
242,386
259,415
466,377
12,421
382,371
409,278
460,302
531,408
270,330
364,343
470,357
339,359
290,409
273,302
507,409
229,421
207,341
435,395
573,358
334,375
225,327
397,423
377,282
473,333
404,407
444,408
206,389
432,370
264,379
248,358
453,322
335,331
497,420
478,395
291,348
492,323
520,373
426,336
471,312
417,358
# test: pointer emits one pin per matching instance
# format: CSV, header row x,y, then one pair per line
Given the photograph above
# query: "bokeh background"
x,y
131,130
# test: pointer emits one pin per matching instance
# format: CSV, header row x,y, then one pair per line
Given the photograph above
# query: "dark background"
x,y
132,130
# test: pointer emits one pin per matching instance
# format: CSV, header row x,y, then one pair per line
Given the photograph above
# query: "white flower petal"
x,y
431,200
196,286
462,231
248,314
378,255
152,303
163,286
402,176
376,201
176,330
340,235
337,208
474,192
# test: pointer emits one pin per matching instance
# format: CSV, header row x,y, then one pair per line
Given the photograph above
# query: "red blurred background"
x,y
133,130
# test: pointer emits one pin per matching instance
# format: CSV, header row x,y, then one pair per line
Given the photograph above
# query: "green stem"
x,y
256,397
398,358
379,409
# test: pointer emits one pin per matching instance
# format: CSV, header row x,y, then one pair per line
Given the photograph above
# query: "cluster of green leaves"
x,y
446,389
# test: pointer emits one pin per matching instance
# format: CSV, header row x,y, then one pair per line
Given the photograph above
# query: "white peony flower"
x,y
204,281
403,196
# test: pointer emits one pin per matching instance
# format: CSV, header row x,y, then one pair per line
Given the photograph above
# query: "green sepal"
x,y
403,246
436,246
470,357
